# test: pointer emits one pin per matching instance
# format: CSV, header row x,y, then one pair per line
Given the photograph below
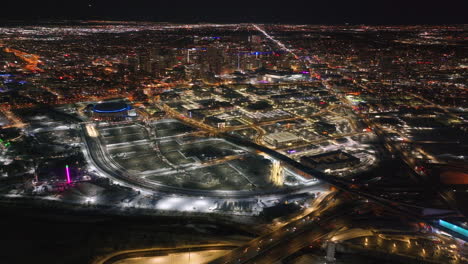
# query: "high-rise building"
x,y
154,53
214,59
145,63
133,63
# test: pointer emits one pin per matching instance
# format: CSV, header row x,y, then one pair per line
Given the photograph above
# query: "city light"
x,y
289,133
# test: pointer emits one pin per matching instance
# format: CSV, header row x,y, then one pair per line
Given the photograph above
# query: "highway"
x,y
281,45
284,241
340,184
333,220
160,251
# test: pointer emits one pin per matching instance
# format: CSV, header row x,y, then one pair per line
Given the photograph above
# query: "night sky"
x,y
223,11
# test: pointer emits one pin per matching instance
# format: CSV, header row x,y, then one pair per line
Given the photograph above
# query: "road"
x,y
100,158
292,237
160,251
339,184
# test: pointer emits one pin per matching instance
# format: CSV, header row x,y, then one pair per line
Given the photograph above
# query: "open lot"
x,y
217,177
142,163
255,168
202,150
122,134
171,128
138,158
206,150
58,136
177,158
184,162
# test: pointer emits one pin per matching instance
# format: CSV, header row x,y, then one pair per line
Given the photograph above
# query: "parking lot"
x,y
183,161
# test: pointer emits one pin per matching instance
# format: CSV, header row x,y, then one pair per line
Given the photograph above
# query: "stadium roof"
x,y
112,107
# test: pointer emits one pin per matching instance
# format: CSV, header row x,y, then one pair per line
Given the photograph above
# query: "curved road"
x,y
160,251
100,159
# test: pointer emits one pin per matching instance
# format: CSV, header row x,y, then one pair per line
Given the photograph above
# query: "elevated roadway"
x,y
284,241
160,251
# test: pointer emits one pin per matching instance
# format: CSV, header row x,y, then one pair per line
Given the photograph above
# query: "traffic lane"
x,y
279,236
265,241
291,245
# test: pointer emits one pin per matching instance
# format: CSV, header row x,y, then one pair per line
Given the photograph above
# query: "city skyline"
x,y
194,143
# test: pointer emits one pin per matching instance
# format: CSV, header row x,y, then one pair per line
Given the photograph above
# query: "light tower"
x,y
277,173
68,174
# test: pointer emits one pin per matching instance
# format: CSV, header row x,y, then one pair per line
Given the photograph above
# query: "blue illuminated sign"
x,y
259,53
454,228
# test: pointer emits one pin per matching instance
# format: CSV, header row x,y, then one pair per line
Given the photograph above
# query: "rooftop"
x,y
112,107
283,137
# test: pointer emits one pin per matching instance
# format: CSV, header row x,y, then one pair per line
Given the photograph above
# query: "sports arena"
x,y
112,111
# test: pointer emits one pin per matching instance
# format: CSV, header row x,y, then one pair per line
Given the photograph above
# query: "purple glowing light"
x,y
68,174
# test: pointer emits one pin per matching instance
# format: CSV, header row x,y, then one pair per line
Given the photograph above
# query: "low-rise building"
x,y
281,139
330,160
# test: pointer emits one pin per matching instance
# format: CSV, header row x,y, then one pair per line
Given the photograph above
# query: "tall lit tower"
x,y
67,170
